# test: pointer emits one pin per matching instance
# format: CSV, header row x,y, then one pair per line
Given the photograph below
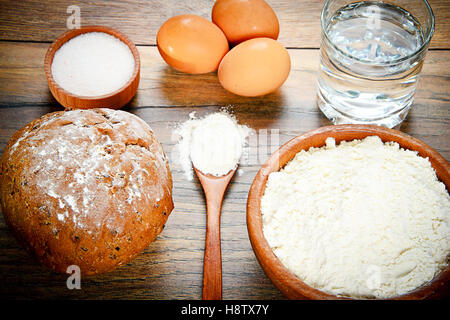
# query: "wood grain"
x,y
166,96
35,20
171,267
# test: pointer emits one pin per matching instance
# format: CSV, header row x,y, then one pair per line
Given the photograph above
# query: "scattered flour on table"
x,y
213,144
361,219
93,64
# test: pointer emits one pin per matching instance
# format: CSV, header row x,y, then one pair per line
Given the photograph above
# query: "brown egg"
x,y
191,44
255,67
241,20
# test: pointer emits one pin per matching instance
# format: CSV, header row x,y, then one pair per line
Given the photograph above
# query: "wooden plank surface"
x,y
171,267
37,20
166,96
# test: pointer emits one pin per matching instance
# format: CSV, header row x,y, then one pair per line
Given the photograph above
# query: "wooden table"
x,y
171,267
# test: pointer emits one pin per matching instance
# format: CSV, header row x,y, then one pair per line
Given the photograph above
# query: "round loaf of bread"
x,y
90,188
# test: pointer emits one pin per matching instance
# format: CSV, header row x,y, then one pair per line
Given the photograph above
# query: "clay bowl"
x,y
113,100
291,286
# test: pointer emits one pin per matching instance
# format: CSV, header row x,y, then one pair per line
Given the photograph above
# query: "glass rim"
x,y
416,52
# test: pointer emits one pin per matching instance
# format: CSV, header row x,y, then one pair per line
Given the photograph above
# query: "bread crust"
x,y
90,188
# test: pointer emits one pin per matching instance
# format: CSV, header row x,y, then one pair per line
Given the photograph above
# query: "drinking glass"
x,y
371,55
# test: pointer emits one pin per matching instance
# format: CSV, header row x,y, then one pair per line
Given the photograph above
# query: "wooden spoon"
x,y
214,189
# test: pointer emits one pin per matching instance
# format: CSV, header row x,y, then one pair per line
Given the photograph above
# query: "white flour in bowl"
x,y
361,219
213,144
93,64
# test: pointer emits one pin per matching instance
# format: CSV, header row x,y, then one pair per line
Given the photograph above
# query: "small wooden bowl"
x,y
113,100
291,286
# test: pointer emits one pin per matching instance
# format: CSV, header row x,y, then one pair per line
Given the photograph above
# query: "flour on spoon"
x,y
213,144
